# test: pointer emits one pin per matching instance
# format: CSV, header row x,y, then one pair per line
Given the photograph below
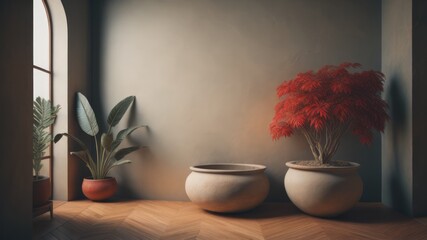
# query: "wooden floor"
x,y
182,220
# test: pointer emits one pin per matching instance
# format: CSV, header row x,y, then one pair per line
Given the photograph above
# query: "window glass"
x,y
41,36
42,75
41,84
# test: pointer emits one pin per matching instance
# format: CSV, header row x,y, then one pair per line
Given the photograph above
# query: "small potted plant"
x,y
323,105
100,186
44,115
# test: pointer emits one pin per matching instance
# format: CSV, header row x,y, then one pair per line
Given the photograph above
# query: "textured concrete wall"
x,y
204,74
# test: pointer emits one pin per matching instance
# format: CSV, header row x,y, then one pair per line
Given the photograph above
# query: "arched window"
x,y
50,81
42,64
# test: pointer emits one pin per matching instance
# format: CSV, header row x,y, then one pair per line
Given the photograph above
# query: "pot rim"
x,y
100,179
41,178
291,164
215,168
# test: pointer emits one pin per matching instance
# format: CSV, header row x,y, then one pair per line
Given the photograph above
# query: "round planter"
x,y
227,187
323,191
41,191
99,189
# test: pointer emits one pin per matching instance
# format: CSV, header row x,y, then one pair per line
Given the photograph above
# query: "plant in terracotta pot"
x,y
323,105
44,115
107,152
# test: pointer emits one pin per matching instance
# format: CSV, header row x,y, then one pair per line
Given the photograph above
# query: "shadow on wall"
x,y
97,10
144,155
395,97
276,189
126,191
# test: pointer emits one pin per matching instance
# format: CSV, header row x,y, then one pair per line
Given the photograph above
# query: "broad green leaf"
x,y
86,158
120,162
82,155
115,164
78,141
86,116
119,110
90,163
57,137
123,134
124,151
107,156
106,141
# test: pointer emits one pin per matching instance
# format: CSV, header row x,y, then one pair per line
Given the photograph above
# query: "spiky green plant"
x,y
107,154
44,115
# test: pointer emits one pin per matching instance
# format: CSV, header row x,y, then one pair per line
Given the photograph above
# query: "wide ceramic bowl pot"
x,y
323,191
227,187
99,189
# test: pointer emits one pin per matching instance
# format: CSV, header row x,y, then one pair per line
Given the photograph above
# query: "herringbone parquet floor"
x,y
142,219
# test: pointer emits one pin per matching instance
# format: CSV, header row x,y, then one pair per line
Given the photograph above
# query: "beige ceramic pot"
x,y
323,191
227,187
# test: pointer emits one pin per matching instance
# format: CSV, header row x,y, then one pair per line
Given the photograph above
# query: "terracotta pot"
x,y
323,192
99,189
41,191
228,187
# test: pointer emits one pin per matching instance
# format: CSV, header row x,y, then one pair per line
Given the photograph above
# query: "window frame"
x,y
50,74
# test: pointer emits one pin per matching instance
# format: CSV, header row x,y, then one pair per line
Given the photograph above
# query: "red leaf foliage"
x,y
334,94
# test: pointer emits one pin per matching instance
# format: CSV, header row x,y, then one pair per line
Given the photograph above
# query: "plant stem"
x,y
323,149
104,159
97,158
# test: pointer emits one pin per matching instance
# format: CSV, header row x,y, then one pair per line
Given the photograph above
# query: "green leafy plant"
x,y
44,115
107,154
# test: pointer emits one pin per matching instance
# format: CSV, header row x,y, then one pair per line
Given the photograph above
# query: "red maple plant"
x,y
323,105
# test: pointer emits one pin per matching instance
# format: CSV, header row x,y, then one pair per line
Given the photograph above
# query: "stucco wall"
x,y
204,75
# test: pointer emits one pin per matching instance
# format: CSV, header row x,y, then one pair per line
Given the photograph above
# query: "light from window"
x,y
41,44
41,36
41,84
42,72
